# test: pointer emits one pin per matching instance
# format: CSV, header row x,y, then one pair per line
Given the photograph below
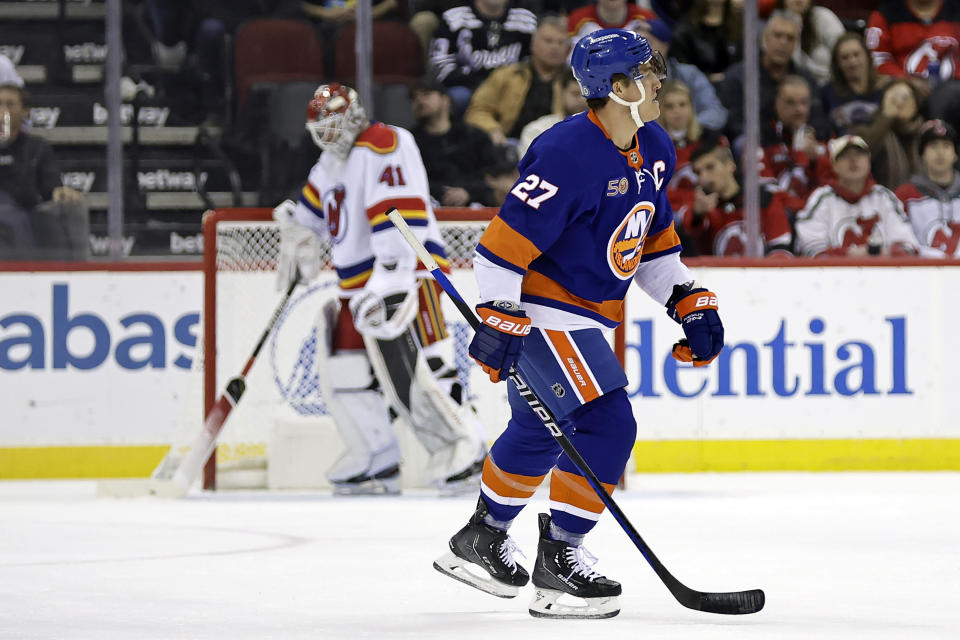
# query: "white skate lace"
x,y
580,560
507,549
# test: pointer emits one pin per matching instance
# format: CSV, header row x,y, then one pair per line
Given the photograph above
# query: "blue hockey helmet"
x,y
599,55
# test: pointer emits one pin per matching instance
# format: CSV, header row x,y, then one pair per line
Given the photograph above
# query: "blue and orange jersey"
x,y
583,216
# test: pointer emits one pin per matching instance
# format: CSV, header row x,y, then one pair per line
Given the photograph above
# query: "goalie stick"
x,y
733,602
173,480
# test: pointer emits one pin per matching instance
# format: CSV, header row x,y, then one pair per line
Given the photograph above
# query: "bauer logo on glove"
x,y
499,338
695,309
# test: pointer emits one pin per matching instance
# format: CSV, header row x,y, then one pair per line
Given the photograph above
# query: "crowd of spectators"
x,y
857,125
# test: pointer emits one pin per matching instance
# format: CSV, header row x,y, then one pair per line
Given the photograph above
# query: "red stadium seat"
x,y
275,50
397,55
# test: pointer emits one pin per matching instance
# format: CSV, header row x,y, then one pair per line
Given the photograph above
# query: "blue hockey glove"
x,y
496,345
695,309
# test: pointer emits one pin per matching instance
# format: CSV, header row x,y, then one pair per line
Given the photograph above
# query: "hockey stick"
x,y
734,602
172,480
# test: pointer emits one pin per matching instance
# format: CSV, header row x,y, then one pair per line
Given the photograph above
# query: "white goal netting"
x,y
281,420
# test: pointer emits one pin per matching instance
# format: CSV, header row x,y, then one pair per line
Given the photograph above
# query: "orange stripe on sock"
x,y
573,365
573,489
506,484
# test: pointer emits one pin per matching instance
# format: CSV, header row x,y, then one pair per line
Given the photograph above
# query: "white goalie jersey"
x,y
348,200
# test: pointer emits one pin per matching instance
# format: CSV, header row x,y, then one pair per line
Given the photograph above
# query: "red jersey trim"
x,y
379,138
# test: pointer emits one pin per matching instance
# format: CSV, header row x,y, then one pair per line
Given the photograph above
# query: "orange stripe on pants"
x,y
430,322
506,484
572,489
572,364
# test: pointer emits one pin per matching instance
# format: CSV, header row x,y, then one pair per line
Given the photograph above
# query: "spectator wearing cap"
x,y
932,197
852,215
781,34
710,111
39,217
455,154
715,219
606,14
573,102
520,93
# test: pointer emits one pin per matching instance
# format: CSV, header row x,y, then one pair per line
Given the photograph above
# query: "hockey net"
x,y
282,403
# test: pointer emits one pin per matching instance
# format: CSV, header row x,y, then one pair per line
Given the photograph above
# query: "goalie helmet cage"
x,y
241,248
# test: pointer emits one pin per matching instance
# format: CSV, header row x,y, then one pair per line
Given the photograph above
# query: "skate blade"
x,y
545,604
370,487
454,566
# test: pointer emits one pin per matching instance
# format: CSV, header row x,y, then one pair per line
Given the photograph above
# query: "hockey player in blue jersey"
x,y
588,215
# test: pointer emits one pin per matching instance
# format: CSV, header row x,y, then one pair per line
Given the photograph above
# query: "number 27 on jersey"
x,y
524,190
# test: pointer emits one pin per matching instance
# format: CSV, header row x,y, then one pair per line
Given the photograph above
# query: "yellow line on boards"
x,y
99,461
672,456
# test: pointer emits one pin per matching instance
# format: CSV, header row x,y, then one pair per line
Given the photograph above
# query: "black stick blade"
x,y
733,603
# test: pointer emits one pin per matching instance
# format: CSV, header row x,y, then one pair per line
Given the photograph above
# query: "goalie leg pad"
x,y
358,409
446,429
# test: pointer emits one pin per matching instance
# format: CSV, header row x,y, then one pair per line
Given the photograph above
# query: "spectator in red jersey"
x,y
710,36
793,160
893,134
920,40
606,14
853,96
821,29
715,220
680,121
781,35
932,197
853,215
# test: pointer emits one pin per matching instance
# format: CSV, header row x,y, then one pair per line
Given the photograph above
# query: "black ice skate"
x,y
564,570
385,482
482,557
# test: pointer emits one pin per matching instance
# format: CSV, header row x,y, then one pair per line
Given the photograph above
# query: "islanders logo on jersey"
x,y
334,206
625,247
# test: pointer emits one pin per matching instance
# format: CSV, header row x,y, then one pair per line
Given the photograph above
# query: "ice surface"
x,y
873,556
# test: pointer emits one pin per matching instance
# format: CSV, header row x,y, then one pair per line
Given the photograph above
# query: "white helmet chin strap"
x,y
634,106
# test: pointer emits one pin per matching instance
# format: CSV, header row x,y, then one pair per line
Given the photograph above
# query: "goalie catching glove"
x,y
496,345
300,247
695,309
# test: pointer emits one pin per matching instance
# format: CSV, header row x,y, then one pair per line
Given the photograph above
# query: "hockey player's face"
x,y
650,109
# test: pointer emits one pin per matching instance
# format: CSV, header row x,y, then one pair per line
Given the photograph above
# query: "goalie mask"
x,y
335,117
